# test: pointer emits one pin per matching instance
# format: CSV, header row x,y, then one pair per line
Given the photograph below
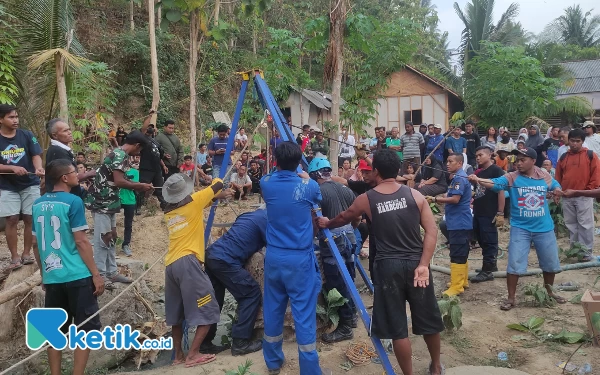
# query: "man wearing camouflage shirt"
x,y
104,202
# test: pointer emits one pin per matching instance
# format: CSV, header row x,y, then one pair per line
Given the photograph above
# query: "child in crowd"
x,y
187,167
129,204
410,176
547,165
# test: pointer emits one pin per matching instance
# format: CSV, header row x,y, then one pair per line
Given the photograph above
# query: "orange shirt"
x,y
502,163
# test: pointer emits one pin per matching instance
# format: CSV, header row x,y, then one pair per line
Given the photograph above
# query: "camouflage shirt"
x,y
103,195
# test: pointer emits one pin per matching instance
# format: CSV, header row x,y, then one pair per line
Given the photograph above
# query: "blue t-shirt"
x,y
528,204
19,151
458,216
218,144
289,200
56,216
456,145
201,158
433,142
245,237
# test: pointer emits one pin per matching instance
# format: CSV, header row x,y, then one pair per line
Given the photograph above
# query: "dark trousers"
x,y
237,193
244,289
459,245
156,179
334,278
128,212
172,171
486,234
256,187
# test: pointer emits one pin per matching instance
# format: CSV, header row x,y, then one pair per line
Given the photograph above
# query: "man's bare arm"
x,y
358,208
454,199
341,180
428,224
146,123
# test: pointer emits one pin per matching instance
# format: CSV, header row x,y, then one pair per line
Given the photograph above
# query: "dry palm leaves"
x,y
360,353
150,330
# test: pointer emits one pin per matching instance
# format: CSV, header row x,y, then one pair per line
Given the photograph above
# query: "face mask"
x,y
505,138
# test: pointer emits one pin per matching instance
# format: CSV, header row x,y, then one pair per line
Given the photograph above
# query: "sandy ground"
x,y
478,342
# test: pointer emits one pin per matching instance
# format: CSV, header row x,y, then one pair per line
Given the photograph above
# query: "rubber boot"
x,y
466,283
243,346
457,276
485,274
341,333
210,348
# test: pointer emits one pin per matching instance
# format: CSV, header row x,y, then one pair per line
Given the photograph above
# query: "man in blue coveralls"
x,y
291,268
225,260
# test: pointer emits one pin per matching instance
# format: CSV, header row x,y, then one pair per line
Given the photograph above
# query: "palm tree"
x,y
479,26
576,27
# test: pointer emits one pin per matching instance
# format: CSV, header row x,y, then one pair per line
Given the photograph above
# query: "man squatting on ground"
x,y
225,260
401,266
65,258
530,221
336,198
189,293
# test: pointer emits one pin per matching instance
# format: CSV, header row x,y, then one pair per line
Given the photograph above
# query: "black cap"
x,y
527,151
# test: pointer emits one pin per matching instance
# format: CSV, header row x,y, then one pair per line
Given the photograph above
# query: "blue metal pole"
x,y
227,159
285,134
364,275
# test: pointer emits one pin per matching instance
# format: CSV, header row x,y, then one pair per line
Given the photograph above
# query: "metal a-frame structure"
x,y
268,102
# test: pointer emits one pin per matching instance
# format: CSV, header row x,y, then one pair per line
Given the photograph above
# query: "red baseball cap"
x,y
363,166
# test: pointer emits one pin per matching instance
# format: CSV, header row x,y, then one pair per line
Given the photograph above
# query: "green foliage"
x,y
226,339
92,96
534,326
242,369
8,50
330,313
505,86
434,208
451,312
558,218
596,321
539,294
576,27
577,250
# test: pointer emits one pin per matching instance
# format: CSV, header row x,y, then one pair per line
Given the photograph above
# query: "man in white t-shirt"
x,y
241,139
564,139
347,143
241,183
592,140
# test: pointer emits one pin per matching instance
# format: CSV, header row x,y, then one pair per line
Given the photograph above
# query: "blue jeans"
x,y
520,244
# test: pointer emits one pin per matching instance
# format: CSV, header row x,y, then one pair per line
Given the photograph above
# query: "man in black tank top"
x,y
402,261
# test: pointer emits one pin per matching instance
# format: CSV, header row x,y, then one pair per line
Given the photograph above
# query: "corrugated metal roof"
x,y
585,77
319,98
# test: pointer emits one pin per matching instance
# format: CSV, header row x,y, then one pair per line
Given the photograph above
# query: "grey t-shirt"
x,y
336,198
412,144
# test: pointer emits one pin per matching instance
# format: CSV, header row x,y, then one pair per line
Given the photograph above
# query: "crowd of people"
x,y
382,192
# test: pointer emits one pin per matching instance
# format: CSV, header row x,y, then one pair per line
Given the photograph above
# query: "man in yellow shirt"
x,y
189,293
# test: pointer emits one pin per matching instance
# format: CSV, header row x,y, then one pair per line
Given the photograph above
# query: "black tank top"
x,y
395,224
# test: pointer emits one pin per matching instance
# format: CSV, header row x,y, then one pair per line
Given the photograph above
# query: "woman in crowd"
x,y
490,139
431,180
347,171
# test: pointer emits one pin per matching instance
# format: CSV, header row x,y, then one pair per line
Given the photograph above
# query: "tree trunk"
x,y
61,87
158,16
194,31
153,59
217,11
230,6
334,67
131,21
254,37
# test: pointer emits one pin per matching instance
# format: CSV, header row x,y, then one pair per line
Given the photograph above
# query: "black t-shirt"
x,y
207,169
336,198
121,135
358,187
486,205
19,151
473,142
55,153
150,157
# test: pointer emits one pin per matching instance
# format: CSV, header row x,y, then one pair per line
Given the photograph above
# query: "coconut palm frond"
x,y
508,16
43,57
574,105
446,71
533,120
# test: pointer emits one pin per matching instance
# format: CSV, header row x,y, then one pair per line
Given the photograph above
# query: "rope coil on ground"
x,y
360,353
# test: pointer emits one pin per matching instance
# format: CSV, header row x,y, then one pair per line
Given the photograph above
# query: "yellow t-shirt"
x,y
186,226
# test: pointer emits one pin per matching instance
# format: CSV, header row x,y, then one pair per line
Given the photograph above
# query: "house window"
x,y
416,116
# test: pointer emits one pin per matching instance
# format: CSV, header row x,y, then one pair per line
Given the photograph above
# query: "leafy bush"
x,y
330,313
540,295
242,369
577,250
451,312
534,324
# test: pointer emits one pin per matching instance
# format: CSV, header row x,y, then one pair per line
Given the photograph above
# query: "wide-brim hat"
x,y
177,187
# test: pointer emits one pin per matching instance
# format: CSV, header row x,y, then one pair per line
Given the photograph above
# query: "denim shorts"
x,y
520,244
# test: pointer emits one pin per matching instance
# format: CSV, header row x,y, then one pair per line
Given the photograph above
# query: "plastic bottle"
x,y
585,369
502,356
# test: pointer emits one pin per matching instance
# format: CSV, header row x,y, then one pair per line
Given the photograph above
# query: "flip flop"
x,y
443,372
506,306
15,265
27,260
202,360
177,362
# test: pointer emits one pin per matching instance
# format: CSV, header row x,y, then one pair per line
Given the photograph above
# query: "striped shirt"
x,y
412,144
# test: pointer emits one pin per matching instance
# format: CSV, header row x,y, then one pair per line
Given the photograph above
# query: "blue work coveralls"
x,y
225,260
291,268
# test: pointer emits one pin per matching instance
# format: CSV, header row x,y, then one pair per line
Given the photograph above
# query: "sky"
x,y
534,15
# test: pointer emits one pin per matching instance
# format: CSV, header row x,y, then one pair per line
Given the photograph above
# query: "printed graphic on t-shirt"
x,y
13,154
479,191
531,201
52,262
391,205
301,190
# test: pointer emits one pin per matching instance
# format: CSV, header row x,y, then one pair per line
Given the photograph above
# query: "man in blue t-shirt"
x,y
455,143
434,141
217,148
20,168
291,269
225,261
459,222
65,258
530,221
